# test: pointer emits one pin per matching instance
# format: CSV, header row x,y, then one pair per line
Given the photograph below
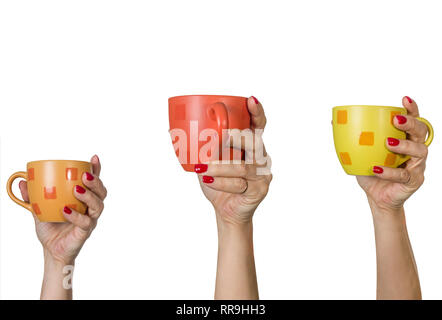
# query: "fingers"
x,y
91,200
416,129
96,165
94,184
407,147
82,221
251,142
411,106
230,185
257,116
23,185
398,175
225,170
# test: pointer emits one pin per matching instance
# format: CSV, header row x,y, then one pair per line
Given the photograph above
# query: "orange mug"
x,y
192,116
51,187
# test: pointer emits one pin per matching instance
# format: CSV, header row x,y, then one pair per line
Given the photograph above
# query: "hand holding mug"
x,y
391,187
236,189
62,241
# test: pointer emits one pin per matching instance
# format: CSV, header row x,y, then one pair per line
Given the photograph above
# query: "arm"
x,y
62,242
387,191
236,275
397,276
55,286
235,191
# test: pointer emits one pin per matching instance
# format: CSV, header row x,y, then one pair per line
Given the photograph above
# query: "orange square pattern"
x,y
366,138
345,158
390,159
342,116
50,193
30,174
36,209
394,114
71,173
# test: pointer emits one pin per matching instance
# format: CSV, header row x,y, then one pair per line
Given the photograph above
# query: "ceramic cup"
x,y
360,134
51,187
191,116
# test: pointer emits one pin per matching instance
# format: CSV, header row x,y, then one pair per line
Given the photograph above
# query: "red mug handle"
x,y
218,112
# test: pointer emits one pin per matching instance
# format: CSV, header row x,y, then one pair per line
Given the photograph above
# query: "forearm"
x,y
57,280
236,274
397,275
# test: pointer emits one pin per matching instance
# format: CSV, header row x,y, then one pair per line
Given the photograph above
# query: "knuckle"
x,y
104,192
240,184
101,206
425,152
87,222
404,176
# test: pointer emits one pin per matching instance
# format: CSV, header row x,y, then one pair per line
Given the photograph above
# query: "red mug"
x,y
199,120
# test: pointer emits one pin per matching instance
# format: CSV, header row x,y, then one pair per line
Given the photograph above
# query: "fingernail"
x,y
208,179
98,159
401,119
80,189
256,100
409,99
392,142
377,169
67,210
89,177
201,167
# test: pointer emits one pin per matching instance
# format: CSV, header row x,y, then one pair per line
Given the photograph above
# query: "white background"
x,y
85,77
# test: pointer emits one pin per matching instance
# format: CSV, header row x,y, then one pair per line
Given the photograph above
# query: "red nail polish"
x,y
256,100
67,210
377,169
208,179
201,167
392,142
401,119
409,99
80,189
89,177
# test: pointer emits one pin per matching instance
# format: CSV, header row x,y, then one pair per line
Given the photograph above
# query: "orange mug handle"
x,y
220,111
20,174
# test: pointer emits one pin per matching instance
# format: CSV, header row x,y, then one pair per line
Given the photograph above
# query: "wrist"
x,y
232,225
229,230
389,216
57,278
54,264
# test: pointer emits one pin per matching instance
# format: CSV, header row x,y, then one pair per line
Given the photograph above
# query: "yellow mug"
x,y
51,187
360,134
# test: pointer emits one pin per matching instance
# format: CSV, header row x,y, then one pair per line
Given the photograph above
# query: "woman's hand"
x,y
63,241
391,187
397,275
236,190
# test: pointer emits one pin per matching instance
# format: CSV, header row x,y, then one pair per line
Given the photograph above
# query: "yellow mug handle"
x,y
429,138
430,131
20,174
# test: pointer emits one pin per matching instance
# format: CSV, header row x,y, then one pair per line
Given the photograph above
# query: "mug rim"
x,y
59,161
206,95
368,105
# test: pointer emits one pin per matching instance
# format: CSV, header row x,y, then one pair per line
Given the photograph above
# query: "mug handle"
x,y
222,120
429,138
20,174
430,131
